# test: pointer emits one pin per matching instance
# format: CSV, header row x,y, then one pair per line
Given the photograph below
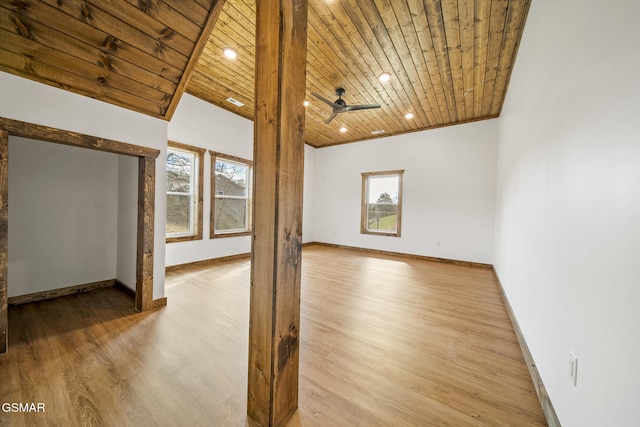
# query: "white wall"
x,y
127,220
63,204
204,125
309,196
45,105
448,191
568,205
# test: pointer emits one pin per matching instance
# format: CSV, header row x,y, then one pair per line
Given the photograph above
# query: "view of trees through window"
x,y
180,192
381,202
232,196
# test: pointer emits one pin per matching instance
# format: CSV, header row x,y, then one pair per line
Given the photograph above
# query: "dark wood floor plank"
x,y
384,341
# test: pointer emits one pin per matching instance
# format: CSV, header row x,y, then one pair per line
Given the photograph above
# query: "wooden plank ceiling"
x,y
137,54
449,60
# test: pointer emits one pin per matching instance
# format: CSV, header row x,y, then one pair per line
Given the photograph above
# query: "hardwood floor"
x,y
384,341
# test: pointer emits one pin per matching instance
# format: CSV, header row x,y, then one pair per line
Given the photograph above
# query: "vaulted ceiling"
x,y
449,60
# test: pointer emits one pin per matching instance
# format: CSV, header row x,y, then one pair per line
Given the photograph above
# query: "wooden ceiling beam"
x,y
195,56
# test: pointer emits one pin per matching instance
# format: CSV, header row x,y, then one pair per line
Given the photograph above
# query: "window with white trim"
x,y
184,192
381,203
231,191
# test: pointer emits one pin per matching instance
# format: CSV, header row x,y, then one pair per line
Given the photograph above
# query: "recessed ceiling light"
x,y
408,116
229,53
377,132
306,103
343,129
384,77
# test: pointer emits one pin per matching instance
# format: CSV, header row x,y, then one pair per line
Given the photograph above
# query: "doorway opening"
x,y
145,212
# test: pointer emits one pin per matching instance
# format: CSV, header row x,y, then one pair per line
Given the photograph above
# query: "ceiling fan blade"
x,y
325,100
331,117
361,107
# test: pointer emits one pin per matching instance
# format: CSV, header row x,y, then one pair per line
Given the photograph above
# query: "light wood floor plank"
x,y
385,341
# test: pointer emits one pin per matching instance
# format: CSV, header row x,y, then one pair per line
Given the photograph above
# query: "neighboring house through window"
x,y
184,192
231,190
381,203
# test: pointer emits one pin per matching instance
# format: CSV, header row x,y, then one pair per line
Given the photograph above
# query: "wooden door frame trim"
x,y
146,204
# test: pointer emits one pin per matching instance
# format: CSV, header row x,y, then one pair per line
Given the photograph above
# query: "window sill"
x,y
232,234
374,233
182,239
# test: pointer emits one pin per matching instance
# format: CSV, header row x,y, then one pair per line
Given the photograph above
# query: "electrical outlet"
x,y
573,369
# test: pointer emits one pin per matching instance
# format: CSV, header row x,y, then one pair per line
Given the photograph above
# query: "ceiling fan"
x,y
339,106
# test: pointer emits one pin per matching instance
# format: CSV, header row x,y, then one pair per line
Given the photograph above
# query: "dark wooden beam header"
x,y
45,133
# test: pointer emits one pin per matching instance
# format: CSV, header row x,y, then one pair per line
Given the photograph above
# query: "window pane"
x,y
184,168
383,189
178,214
232,196
231,179
382,217
382,207
179,166
381,200
231,214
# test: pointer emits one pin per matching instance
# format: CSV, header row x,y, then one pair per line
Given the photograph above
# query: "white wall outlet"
x,y
573,369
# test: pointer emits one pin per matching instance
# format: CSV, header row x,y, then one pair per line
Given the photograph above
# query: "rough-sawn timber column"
x,y
4,239
281,51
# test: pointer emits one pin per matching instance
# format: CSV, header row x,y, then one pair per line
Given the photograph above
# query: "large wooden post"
x,y
146,212
281,51
4,238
